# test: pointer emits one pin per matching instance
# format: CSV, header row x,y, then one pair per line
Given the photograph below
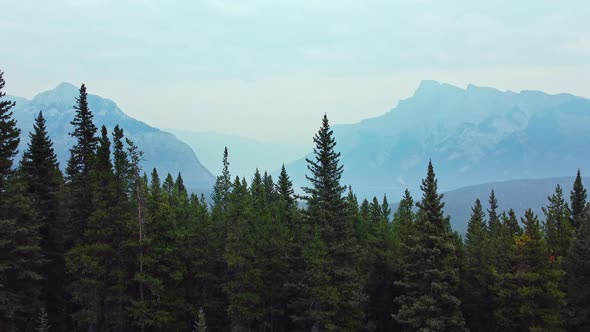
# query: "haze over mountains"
x,y
474,135
162,150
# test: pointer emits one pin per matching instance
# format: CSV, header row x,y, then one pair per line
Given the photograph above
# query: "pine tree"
x,y
21,258
244,282
43,325
528,296
403,221
44,183
222,187
325,208
431,274
578,279
79,168
578,201
494,219
477,304
200,324
9,137
380,267
557,228
89,262
510,223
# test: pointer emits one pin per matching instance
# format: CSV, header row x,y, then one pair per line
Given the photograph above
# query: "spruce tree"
x,y
325,208
528,297
578,201
200,324
21,258
79,168
578,279
557,228
430,279
44,183
494,219
9,137
476,301
510,223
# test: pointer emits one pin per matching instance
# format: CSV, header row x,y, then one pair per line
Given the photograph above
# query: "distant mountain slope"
x,y
517,194
162,150
245,154
473,135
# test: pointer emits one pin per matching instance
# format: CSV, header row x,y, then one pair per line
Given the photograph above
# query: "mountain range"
x,y
473,135
162,150
478,138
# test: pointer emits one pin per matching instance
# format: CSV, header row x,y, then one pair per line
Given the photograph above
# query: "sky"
x,y
269,70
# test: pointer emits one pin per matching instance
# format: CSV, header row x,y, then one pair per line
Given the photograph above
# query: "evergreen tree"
x,y
164,303
79,168
43,325
510,223
557,228
44,183
91,264
403,221
431,274
380,267
477,301
325,208
578,201
578,279
222,187
21,258
494,219
9,137
528,296
200,324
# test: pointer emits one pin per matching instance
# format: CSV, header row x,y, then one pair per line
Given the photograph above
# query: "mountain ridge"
x,y
162,150
473,135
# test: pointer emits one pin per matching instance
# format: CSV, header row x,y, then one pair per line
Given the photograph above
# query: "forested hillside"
x,y
109,246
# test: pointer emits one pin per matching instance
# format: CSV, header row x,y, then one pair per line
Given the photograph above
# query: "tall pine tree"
x,y
326,211
578,198
21,258
44,187
79,168
428,301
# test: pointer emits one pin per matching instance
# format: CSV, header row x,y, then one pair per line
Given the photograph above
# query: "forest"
x,y
108,246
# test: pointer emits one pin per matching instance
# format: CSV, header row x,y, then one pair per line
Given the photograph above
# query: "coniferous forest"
x,y
108,246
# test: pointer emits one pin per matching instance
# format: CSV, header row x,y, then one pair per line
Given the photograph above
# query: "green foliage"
x,y
477,304
428,301
557,227
9,137
44,188
578,197
578,279
79,169
21,258
326,211
528,297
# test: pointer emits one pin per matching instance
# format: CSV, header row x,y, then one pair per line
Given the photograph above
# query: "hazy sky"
x,y
270,69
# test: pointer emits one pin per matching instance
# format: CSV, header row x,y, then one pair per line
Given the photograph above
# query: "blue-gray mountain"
x,y
162,150
473,135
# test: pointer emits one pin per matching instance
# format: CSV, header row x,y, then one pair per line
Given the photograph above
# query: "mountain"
x,y
245,154
162,150
516,194
473,135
